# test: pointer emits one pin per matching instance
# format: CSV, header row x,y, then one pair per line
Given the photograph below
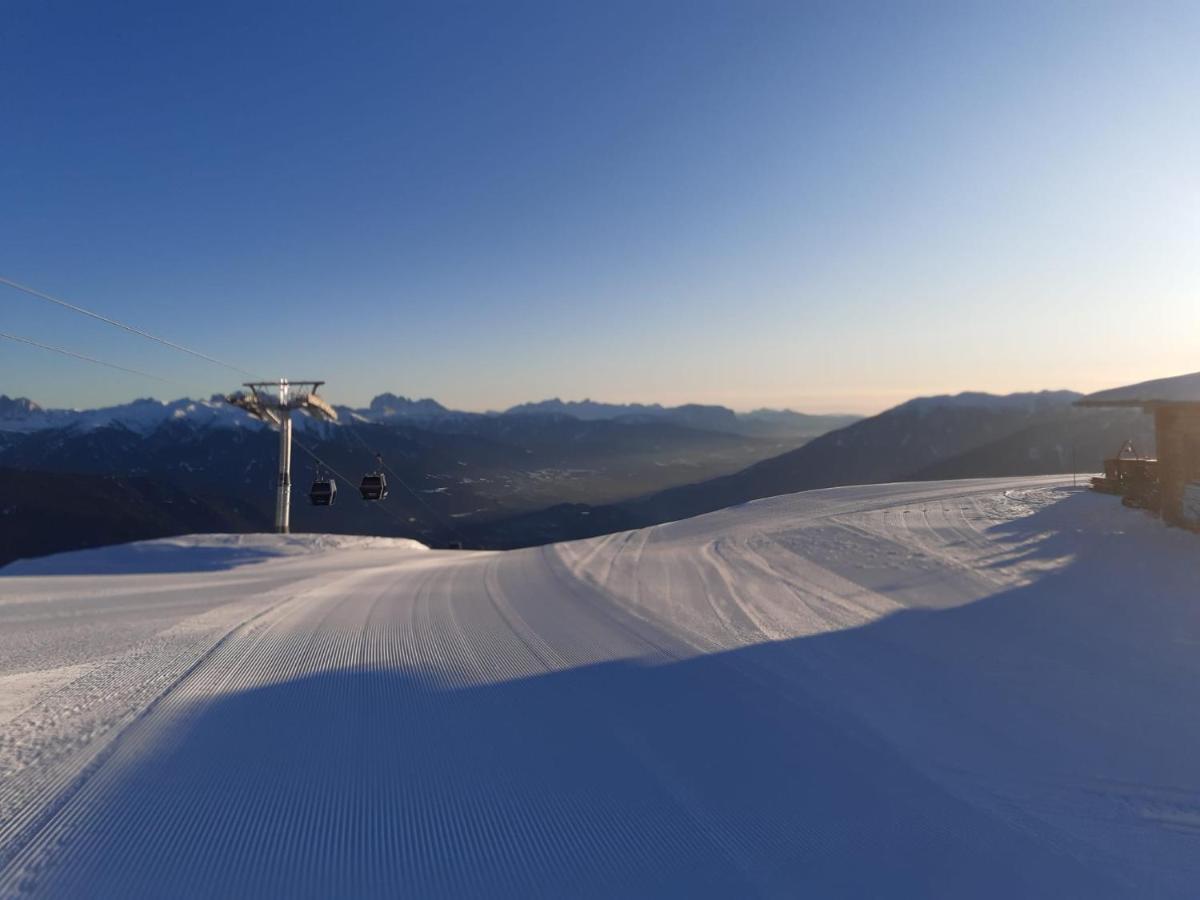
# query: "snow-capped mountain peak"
x,y
16,409
141,416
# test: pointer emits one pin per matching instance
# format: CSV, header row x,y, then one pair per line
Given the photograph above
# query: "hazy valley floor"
x,y
978,688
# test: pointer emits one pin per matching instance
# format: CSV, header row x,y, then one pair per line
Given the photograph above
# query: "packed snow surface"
x,y
956,689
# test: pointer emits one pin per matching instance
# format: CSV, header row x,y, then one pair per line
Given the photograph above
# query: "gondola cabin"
x,y
374,486
323,492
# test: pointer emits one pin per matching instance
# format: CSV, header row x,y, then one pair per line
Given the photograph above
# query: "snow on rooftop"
x,y
1179,389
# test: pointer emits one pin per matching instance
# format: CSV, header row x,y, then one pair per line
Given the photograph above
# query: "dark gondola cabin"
x,y
323,492
373,486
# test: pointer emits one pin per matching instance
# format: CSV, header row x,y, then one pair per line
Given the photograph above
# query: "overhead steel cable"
x,y
41,295
320,461
346,480
91,359
444,523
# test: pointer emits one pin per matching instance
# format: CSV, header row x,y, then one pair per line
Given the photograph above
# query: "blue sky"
x,y
818,205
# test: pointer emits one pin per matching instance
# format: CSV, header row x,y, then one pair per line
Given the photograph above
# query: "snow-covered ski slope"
x,y
956,689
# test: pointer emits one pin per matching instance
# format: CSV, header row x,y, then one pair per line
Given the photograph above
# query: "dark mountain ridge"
x,y
692,415
967,435
920,439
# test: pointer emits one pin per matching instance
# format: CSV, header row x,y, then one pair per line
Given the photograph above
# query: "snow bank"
x,y
198,552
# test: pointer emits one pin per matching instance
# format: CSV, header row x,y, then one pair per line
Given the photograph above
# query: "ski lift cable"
x,y
344,479
100,362
41,295
379,458
432,512
319,461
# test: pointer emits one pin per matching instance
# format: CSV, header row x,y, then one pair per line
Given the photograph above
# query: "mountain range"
x,y
967,435
776,422
960,436
144,415
449,468
533,473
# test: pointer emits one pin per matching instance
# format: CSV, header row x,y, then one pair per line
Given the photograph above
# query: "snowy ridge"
x,y
145,415
953,688
188,552
141,416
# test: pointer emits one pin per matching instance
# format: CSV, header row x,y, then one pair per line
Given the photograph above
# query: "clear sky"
x,y
818,205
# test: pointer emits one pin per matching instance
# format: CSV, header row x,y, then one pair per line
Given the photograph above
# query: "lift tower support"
x,y
272,402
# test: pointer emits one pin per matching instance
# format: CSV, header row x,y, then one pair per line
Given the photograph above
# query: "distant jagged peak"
x,y
588,408
388,404
142,415
764,423
17,407
785,414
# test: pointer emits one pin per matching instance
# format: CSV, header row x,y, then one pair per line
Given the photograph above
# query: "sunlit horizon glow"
x,y
833,403
830,209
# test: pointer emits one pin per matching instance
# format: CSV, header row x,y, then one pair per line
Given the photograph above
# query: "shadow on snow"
x,y
757,771
144,558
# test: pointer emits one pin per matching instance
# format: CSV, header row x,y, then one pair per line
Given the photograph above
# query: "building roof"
x,y
1180,389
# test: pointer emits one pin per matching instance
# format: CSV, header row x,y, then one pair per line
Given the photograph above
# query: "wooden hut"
x,y
1175,405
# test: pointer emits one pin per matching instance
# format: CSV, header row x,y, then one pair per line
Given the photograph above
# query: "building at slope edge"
x,y
1175,405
